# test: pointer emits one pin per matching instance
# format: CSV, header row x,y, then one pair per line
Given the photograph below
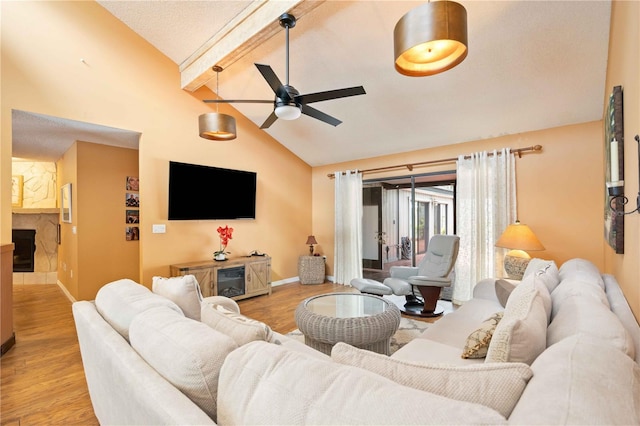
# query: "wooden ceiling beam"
x,y
256,24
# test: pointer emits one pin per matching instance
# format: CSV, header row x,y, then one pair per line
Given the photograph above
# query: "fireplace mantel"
x,y
36,211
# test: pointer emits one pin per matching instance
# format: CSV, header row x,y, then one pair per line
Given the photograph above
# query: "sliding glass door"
x,y
402,214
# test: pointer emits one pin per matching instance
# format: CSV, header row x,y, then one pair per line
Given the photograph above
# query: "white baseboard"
x,y
328,278
66,292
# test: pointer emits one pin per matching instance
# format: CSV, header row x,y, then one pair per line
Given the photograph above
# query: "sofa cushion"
x,y
581,381
588,316
521,335
503,291
497,385
120,301
235,325
574,287
187,353
429,351
184,291
285,387
547,270
583,270
478,341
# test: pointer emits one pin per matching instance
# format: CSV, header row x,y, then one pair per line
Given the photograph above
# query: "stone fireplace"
x,y
44,225
24,241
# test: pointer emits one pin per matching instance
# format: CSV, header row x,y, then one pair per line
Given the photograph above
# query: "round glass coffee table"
x,y
361,320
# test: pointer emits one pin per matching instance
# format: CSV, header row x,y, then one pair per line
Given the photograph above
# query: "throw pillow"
x,y
521,335
240,328
187,353
497,386
478,341
184,291
503,290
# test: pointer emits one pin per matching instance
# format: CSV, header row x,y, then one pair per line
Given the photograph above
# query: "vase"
x,y
220,256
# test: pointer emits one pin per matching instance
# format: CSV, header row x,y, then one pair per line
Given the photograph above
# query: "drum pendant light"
x,y
430,39
216,126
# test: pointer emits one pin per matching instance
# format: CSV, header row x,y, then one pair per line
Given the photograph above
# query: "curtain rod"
x,y
518,152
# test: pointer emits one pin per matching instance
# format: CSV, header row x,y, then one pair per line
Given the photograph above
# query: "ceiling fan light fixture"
x,y
288,112
217,127
430,39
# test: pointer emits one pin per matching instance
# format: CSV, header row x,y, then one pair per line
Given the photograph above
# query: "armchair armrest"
x,y
403,272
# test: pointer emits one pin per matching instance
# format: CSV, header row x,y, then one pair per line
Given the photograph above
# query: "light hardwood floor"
x,y
42,380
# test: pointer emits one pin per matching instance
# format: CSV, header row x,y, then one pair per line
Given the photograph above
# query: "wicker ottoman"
x,y
361,320
311,269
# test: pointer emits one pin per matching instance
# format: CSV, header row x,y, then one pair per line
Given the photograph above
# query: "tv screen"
x,y
203,192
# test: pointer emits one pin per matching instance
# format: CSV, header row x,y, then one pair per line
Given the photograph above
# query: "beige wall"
x,y
127,84
557,197
624,70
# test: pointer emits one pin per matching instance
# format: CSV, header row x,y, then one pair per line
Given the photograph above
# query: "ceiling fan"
x,y
289,103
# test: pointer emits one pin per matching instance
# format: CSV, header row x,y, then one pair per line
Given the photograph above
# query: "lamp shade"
x,y
430,39
519,236
217,127
311,240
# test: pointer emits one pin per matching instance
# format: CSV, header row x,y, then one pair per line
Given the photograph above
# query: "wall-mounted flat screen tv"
x,y
203,192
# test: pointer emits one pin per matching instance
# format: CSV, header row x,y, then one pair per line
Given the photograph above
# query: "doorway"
x,y
400,215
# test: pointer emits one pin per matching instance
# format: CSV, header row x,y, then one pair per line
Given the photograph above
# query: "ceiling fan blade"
x,y
269,121
237,101
271,77
319,115
330,94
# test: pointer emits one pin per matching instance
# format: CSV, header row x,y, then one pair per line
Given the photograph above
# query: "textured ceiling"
x,y
531,65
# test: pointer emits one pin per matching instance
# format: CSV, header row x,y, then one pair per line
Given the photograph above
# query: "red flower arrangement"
x,y
225,235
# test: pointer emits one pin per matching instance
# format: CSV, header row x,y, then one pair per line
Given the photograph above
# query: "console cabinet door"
x,y
258,278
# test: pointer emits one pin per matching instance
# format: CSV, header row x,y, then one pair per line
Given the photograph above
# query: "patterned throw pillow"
x,y
478,341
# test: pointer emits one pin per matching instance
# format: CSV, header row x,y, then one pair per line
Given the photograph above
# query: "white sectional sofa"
x,y
565,351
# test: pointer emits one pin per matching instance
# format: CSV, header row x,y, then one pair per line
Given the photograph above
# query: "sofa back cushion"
x,y
572,287
120,301
496,385
187,353
581,381
262,383
587,315
184,291
583,270
521,335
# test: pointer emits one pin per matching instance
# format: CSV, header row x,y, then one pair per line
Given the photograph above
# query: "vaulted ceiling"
x,y
531,65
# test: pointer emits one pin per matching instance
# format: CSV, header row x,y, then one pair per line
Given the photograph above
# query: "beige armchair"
x,y
428,278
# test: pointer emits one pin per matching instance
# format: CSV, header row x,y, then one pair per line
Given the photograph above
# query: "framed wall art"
x,y
614,171
65,203
17,184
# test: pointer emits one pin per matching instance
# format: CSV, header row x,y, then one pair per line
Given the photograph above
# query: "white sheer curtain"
x,y
486,204
348,226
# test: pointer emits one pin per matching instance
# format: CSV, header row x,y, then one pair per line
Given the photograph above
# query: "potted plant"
x,y
225,235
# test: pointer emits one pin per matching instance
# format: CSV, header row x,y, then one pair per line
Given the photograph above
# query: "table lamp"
x,y
518,238
311,240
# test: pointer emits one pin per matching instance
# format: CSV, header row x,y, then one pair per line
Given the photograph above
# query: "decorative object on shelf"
x,y
430,39
614,172
225,235
311,240
518,237
216,126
